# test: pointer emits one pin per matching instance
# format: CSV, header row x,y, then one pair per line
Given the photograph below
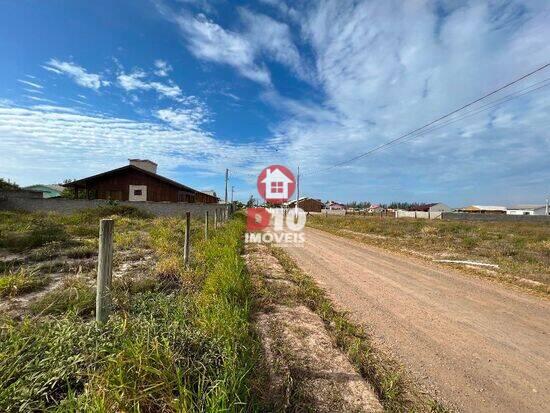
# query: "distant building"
x,y
332,205
375,209
435,207
527,210
483,209
48,191
307,204
210,192
137,181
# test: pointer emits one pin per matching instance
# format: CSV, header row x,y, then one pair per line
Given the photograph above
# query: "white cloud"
x,y
35,91
261,39
77,73
136,81
32,84
272,41
209,41
53,108
75,145
38,99
162,68
382,76
187,118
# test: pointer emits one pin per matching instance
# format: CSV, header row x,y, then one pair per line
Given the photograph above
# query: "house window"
x,y
276,187
138,192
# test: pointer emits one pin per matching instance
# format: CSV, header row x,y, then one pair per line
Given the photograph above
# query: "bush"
x,y
74,295
42,231
21,281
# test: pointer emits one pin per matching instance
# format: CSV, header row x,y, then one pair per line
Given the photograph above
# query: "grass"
x,y
396,392
520,249
74,295
169,346
21,281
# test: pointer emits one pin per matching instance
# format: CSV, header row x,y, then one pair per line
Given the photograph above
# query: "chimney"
x,y
145,164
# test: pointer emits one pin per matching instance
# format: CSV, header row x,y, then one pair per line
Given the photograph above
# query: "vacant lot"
x,y
178,340
520,249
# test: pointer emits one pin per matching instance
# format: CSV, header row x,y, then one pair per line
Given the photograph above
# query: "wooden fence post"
x,y
104,270
206,225
187,244
215,218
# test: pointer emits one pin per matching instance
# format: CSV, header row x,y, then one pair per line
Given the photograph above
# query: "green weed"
x,y
21,281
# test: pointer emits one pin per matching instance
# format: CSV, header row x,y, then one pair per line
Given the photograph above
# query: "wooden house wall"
x,y
117,187
310,205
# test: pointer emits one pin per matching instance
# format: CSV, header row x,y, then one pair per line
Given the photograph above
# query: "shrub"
x,y
74,295
42,231
83,251
21,281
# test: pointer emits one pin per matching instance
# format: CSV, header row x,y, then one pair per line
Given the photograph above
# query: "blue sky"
x,y
201,85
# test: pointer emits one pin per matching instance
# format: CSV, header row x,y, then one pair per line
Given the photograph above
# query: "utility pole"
x,y
226,179
232,191
297,192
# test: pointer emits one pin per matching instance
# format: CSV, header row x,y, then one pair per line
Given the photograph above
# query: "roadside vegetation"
x,y
396,391
520,249
178,339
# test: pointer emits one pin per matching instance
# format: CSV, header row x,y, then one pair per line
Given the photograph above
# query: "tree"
x,y
251,202
238,205
7,185
70,193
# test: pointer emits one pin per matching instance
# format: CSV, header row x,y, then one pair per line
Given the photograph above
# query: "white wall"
x,y
417,214
520,212
440,208
136,198
333,211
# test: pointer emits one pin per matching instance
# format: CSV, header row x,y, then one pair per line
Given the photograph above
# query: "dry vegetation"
x,y
520,249
178,340
302,371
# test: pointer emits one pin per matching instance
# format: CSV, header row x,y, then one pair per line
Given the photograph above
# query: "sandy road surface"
x,y
478,345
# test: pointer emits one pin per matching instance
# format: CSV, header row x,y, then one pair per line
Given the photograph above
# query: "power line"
x,y
399,138
484,108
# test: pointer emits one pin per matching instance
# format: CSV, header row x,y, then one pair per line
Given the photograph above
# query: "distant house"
x,y
375,208
276,185
48,191
435,207
137,181
307,204
483,209
332,205
210,192
527,210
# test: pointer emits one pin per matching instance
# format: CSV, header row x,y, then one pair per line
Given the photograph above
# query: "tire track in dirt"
x,y
478,345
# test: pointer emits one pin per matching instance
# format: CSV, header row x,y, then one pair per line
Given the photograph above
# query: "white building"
x,y
483,209
527,210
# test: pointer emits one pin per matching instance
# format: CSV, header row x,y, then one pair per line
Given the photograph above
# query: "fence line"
x,y
105,259
104,270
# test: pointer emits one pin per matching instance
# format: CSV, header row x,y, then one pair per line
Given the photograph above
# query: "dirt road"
x,y
479,345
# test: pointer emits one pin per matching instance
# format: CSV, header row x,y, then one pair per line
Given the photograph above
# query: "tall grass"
x,y
21,281
166,350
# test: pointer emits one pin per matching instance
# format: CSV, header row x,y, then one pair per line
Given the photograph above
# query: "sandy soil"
x,y
476,345
307,372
